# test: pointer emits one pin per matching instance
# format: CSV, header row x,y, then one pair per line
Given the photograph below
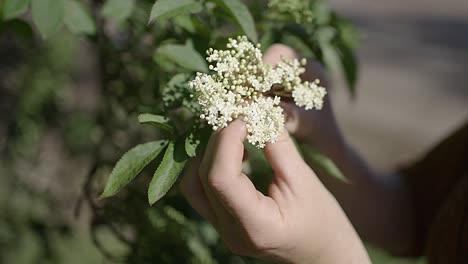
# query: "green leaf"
x,y
323,163
346,41
118,10
168,171
183,55
331,57
156,120
163,9
241,15
77,18
14,8
349,66
185,22
131,164
48,16
191,145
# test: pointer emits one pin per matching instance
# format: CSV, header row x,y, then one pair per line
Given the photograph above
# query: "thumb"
x,y
221,171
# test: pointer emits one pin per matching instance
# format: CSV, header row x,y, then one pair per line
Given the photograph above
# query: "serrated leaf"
x,y
118,10
241,15
163,9
77,19
183,55
156,120
324,163
14,8
132,163
48,16
168,171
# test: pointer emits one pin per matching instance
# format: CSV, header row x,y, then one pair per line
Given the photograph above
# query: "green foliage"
x,y
323,163
168,171
14,8
77,19
183,55
191,144
134,68
118,10
132,163
169,8
241,15
157,120
48,15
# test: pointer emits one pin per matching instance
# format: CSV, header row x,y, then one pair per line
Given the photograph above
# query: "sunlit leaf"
x,y
48,16
183,55
132,163
185,22
241,14
118,10
323,162
156,120
77,19
169,8
14,8
168,171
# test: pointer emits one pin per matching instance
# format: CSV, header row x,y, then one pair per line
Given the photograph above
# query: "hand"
x,y
298,222
314,127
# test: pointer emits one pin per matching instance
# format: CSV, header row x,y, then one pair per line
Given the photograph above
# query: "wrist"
x,y
334,241
339,241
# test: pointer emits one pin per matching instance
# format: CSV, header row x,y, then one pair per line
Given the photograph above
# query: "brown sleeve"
x,y
439,189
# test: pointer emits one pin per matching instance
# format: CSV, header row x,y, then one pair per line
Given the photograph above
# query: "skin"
x,y
298,222
377,204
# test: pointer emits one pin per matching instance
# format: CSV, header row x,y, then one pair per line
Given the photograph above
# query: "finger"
x,y
277,51
314,71
285,160
225,184
246,155
290,117
192,190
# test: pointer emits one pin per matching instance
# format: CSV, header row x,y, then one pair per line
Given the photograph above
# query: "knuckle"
x,y
213,181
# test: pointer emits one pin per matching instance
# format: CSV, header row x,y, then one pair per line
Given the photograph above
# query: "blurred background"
x,y
412,92
413,73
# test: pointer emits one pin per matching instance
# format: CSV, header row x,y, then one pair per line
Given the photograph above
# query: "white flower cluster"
x,y
242,86
309,95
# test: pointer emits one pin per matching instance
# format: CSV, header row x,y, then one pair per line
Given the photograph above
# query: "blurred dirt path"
x,y
413,87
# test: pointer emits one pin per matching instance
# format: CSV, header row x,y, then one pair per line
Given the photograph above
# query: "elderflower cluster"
x,y
294,10
309,95
243,86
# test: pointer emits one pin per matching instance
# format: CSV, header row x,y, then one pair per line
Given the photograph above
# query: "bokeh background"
x,y
412,86
412,92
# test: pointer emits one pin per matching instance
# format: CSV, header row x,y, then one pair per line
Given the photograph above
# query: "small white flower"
x,y
238,85
265,119
309,95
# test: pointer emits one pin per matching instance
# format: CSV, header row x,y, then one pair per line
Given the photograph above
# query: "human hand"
x,y
314,127
298,222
